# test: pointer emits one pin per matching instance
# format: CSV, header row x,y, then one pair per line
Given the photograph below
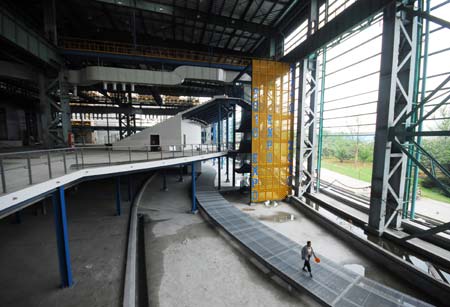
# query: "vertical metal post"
x,y
193,185
180,179
64,161
291,127
420,115
82,157
62,238
49,165
109,155
306,120
18,216
322,101
227,127
234,145
161,152
76,157
396,87
118,197
148,150
130,189
164,187
192,149
219,129
2,170
218,172
129,153
30,176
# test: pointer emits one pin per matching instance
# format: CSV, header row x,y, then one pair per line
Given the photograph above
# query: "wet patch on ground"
x,y
278,217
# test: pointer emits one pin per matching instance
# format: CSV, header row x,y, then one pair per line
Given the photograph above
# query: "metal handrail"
x,y
60,161
151,51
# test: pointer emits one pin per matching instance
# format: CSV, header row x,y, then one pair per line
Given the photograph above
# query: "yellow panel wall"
x,y
272,120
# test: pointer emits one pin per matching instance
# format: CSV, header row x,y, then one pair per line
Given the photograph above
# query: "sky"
x,y
353,58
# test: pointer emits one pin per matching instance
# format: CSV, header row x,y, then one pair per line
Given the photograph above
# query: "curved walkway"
x,y
332,284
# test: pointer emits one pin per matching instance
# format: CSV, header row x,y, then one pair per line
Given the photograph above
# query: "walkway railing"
x,y
21,169
70,43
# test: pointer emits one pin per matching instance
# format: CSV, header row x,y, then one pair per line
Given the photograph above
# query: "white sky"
x,y
348,53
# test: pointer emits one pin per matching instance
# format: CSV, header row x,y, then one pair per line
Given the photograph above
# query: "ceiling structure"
x,y
234,27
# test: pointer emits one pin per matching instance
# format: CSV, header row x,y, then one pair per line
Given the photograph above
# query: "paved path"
x,y
435,209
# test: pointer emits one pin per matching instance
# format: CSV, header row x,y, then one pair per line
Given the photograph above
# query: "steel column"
x,y
118,197
227,137
164,187
415,176
395,96
234,145
322,101
62,238
307,121
218,173
193,185
130,189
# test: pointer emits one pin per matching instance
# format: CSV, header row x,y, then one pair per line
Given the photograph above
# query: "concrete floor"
x,y
97,238
189,263
293,224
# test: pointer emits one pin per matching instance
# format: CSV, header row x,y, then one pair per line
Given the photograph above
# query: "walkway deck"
x,y
95,165
332,284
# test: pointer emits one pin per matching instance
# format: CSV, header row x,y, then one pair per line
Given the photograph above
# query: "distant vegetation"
x,y
350,155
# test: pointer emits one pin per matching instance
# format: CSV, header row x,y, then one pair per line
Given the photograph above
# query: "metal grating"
x,y
332,284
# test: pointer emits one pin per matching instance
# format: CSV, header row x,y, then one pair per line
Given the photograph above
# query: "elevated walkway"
x,y
332,285
27,177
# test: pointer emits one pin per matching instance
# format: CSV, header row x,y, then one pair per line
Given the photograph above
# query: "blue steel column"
x,y
234,145
227,144
59,208
130,189
118,197
219,140
194,201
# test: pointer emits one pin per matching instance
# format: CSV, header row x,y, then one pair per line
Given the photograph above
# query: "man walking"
x,y
307,252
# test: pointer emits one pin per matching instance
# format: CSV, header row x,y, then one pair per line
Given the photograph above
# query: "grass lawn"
x,y
363,171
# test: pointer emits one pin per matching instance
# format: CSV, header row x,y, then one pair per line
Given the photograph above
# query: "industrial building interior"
x,y
182,153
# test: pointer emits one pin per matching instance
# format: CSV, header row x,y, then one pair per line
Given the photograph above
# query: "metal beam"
x,y
349,18
16,33
174,10
194,189
62,237
126,110
395,98
428,232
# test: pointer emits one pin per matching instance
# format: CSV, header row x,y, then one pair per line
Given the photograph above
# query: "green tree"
x,y
365,152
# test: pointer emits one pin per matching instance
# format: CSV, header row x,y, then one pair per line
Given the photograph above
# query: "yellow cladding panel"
x,y
272,120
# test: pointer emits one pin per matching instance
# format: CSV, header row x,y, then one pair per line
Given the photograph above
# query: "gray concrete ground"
x,y
189,264
28,254
293,224
432,208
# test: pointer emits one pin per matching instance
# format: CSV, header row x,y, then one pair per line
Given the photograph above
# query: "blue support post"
x,y
18,215
194,201
130,189
62,239
118,197
218,173
219,129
